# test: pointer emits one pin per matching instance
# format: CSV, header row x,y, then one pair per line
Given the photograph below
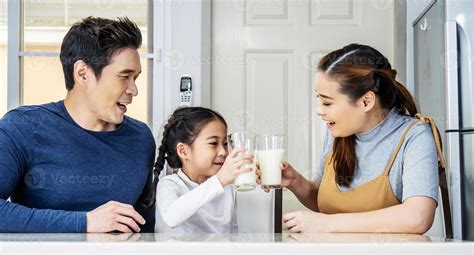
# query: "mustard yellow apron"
x,y
373,195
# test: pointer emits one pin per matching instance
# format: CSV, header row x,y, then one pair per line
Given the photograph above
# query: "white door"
x,y
264,57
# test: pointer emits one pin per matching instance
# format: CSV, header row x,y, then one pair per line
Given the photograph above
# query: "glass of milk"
x,y
244,139
270,156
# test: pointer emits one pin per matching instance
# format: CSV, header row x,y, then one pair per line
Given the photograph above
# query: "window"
x,y
44,25
3,56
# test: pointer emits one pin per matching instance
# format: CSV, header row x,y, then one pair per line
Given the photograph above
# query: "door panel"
x,y
266,90
264,57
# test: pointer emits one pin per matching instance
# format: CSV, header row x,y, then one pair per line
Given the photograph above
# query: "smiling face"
x,y
207,153
343,117
109,95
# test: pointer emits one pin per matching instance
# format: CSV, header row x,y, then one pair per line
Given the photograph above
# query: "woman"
x,y
380,165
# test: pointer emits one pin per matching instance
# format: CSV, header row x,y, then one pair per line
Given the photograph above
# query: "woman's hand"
x,y
233,166
288,175
307,222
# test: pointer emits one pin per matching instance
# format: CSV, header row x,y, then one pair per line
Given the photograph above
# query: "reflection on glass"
x,y
219,238
355,238
113,237
44,83
250,241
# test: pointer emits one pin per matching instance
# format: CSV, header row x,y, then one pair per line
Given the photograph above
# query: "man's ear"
x,y
182,150
80,72
368,101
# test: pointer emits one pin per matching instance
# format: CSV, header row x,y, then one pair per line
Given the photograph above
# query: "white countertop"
x,y
230,244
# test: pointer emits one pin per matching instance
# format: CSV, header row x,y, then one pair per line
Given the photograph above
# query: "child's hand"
x,y
234,165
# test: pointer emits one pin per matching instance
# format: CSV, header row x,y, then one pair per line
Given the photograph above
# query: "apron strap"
x,y
436,135
442,172
434,129
392,159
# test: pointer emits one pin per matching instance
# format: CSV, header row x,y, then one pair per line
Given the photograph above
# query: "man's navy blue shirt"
x,y
54,171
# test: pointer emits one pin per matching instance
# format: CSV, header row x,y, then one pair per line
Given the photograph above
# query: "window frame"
x,y
157,15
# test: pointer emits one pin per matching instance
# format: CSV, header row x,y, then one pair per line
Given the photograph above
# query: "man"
x,y
80,164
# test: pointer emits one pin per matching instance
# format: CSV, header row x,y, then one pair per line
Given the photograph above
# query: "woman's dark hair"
x,y
183,126
94,41
359,69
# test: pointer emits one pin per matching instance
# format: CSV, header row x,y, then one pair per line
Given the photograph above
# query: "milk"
x,y
246,181
269,161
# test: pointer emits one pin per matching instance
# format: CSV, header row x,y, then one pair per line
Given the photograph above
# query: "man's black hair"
x,y
95,40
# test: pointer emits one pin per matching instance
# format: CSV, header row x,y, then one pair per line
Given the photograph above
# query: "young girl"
x,y
197,198
380,166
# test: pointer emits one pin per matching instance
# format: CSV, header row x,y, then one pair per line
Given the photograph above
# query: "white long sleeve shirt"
x,y
185,207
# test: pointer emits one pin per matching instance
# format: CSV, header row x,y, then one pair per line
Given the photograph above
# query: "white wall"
x,y
189,51
183,35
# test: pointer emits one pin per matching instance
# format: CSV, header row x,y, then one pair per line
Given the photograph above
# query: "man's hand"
x,y
114,216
